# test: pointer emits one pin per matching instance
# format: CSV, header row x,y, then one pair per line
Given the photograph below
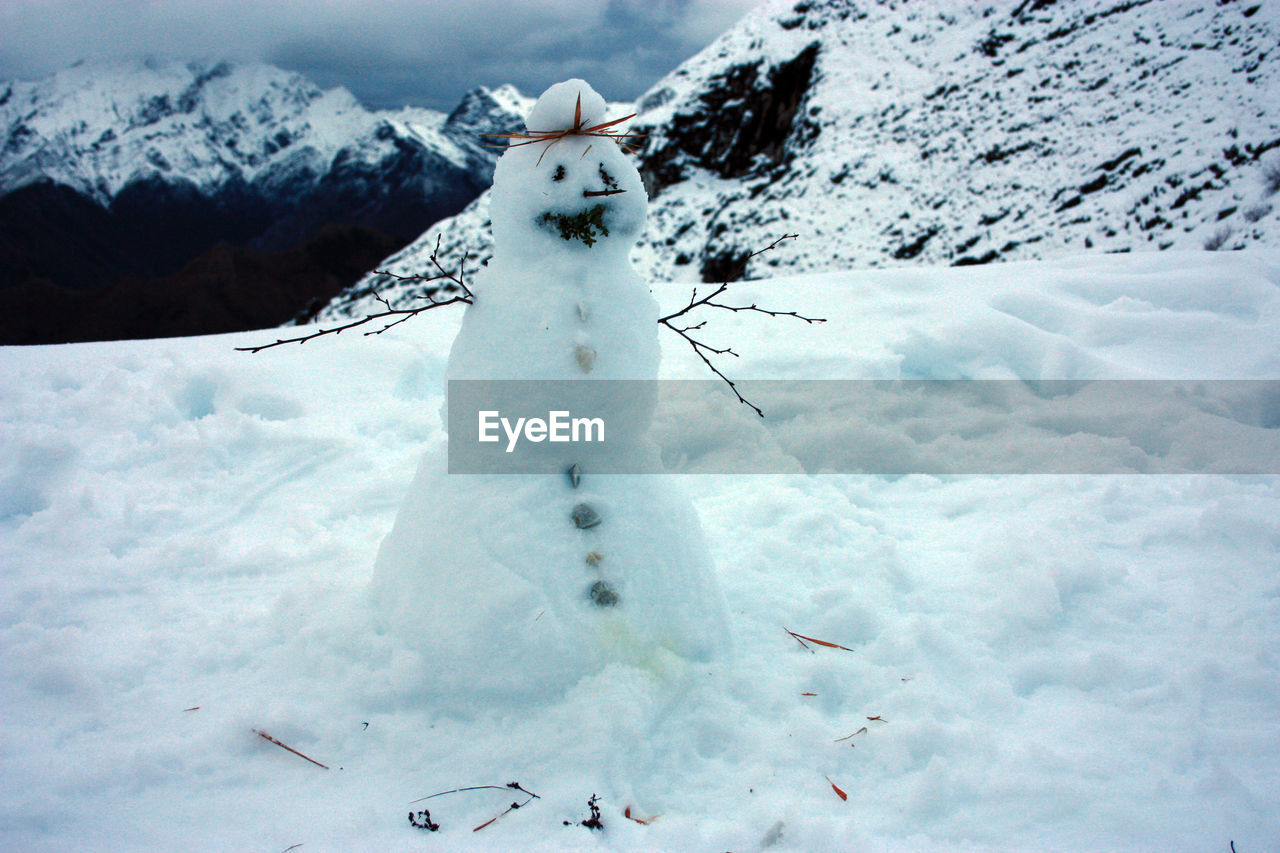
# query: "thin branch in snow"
x,y
423,818
266,736
801,638
510,785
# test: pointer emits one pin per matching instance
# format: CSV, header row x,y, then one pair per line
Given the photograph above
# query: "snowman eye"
x,y
559,175
608,179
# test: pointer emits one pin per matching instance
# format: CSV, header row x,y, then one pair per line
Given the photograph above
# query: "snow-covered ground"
x,y
1032,662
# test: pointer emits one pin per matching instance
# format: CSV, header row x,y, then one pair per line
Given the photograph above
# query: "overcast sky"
x,y
388,52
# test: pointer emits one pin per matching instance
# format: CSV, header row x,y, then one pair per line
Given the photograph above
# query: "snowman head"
x,y
562,188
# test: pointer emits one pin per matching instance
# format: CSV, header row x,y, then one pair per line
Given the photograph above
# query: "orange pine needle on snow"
x,y
802,639
266,736
627,814
836,788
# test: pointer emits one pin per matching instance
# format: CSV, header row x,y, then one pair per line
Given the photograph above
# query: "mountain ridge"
x,y
897,133
135,170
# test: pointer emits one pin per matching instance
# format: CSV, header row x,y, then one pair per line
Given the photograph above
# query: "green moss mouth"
x,y
586,225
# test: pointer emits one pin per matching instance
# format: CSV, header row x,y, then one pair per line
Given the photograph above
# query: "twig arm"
x,y
402,314
704,350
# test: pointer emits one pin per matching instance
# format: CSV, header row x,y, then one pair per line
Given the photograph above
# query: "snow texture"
x,y
1058,663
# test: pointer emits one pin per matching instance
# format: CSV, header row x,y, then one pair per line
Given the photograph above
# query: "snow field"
x,y
1058,662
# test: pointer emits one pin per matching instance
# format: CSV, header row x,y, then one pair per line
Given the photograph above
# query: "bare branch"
x,y
402,314
773,244
698,347
395,316
512,785
703,349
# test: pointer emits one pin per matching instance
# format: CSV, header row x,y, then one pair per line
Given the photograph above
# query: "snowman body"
x,y
520,584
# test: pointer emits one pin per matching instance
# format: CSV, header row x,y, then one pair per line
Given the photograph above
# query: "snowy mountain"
x,y
136,169
892,133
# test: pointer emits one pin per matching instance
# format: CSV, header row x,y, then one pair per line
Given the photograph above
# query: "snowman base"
x,y
492,583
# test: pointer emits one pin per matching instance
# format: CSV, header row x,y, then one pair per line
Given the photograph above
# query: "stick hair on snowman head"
x,y
604,130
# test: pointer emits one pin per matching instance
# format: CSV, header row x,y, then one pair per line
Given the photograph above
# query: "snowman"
x,y
516,585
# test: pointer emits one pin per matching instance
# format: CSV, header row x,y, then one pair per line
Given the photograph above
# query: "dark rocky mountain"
x,y
894,133
225,289
148,179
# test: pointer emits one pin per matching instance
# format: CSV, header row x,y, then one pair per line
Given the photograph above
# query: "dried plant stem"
x,y
551,137
509,786
266,736
802,639
860,731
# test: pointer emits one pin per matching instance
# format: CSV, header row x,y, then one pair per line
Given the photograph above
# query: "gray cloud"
x,y
389,53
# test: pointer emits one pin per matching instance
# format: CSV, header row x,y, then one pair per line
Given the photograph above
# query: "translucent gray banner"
x,y
866,427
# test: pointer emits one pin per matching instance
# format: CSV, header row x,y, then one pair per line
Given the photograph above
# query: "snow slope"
x,y
1041,662
893,132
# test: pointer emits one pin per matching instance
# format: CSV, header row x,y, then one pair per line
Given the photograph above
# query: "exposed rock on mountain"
x,y
135,171
896,133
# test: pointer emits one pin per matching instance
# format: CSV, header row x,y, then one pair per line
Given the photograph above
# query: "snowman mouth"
x,y
597,193
586,225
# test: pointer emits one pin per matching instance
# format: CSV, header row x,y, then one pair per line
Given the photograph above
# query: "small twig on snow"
x,y
510,785
801,638
266,736
424,817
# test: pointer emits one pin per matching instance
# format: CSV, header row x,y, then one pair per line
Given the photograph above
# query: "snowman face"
x,y
577,194
591,194
573,191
